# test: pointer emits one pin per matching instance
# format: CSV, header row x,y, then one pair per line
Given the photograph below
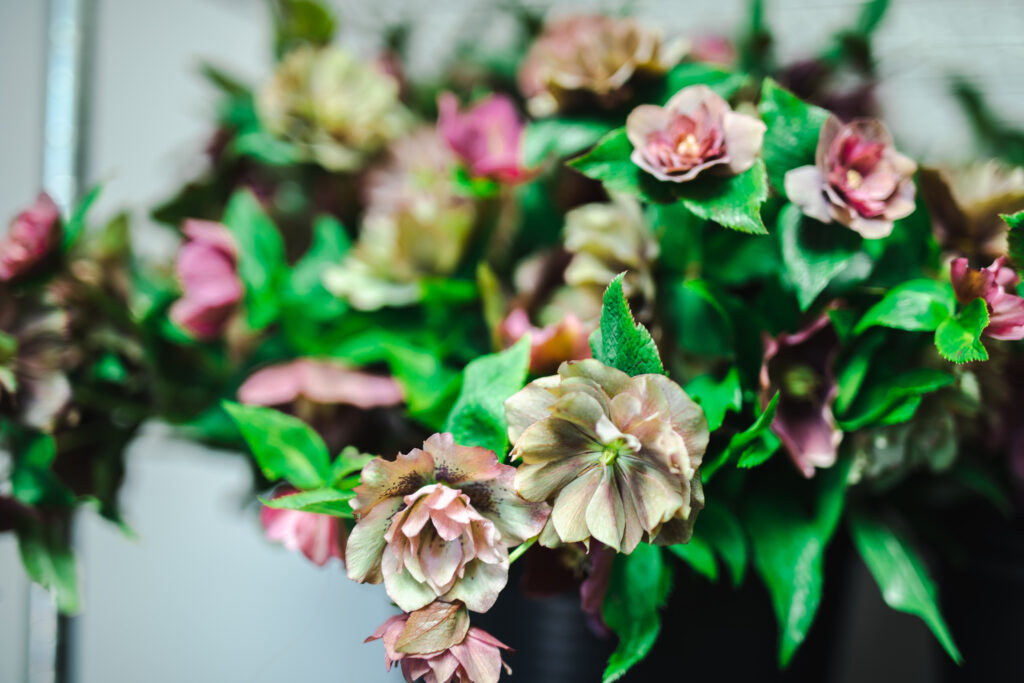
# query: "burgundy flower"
x,y
438,645
318,537
696,130
207,266
568,339
858,179
33,234
799,367
995,285
488,137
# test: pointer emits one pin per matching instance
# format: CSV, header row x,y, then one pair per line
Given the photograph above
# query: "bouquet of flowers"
x,y
644,306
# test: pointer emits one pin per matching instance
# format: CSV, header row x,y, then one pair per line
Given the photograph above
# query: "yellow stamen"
x,y
687,146
854,179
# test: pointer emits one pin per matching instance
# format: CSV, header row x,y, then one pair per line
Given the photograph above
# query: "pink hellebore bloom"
x,y
437,523
320,381
33,234
550,345
857,179
695,131
461,653
488,136
799,367
995,285
714,50
318,537
207,267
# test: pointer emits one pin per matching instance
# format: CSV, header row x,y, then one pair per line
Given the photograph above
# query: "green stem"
x,y
521,548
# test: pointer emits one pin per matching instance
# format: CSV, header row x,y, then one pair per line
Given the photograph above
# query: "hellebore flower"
x,y
318,537
438,644
695,131
415,227
568,339
713,50
799,367
336,109
33,235
488,137
325,382
858,179
207,266
437,523
33,344
617,456
605,240
995,285
582,59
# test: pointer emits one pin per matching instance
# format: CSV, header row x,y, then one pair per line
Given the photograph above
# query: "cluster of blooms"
x,y
506,350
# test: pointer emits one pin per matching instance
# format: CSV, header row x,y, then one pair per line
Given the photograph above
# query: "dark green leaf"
x,y
958,338
756,443
716,397
32,480
1016,238
699,555
76,221
814,253
901,576
285,447
919,305
874,404
701,323
560,138
49,561
429,386
609,162
638,587
733,201
620,341
325,501
306,290
300,22
261,261
478,417
350,461
793,128
720,528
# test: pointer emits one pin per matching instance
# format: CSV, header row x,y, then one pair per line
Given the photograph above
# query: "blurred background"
x,y
194,593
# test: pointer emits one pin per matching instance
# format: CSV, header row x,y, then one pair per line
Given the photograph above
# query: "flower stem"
x,y
521,548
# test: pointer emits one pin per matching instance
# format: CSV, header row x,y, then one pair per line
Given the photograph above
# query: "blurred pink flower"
x,y
565,340
470,655
321,381
33,234
695,131
713,50
995,285
318,537
488,136
858,179
207,267
799,367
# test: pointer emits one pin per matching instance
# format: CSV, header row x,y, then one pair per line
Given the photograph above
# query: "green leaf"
x,y
892,394
261,261
265,148
733,201
958,338
428,385
792,135
918,305
32,480
75,224
724,82
789,547
300,22
285,447
478,417
638,587
720,529
702,325
901,576
756,443
814,253
1016,238
560,138
699,555
620,341
609,162
717,397
305,287
350,461
50,562
325,501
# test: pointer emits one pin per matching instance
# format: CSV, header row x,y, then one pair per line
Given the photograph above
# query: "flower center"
x,y
854,179
800,382
688,146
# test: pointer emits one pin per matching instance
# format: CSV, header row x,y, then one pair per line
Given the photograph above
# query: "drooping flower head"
x,y
32,236
208,269
997,285
438,644
617,456
488,137
415,226
696,131
33,347
858,179
335,108
318,537
437,523
585,59
800,367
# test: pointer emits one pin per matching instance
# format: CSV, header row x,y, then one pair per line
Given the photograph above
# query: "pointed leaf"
x,y
325,501
285,447
814,253
260,256
918,305
50,562
793,129
958,338
638,588
620,341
